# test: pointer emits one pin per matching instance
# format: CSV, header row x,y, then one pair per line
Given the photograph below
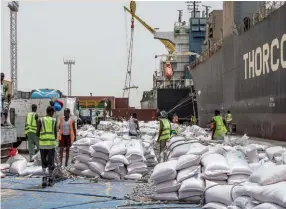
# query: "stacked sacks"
x,y
164,177
136,160
149,153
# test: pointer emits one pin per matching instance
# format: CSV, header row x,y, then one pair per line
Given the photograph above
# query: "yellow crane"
x,y
170,46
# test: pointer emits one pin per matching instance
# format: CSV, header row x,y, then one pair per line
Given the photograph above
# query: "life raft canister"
x,y
168,71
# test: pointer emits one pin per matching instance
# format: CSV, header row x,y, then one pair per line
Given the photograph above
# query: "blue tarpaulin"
x,y
26,193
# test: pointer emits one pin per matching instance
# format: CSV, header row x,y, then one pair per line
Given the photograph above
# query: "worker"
x,y
175,121
96,118
133,125
175,118
219,130
193,120
31,130
164,131
47,133
228,119
5,101
67,134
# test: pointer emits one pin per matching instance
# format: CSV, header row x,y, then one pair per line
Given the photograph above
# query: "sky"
x,y
96,34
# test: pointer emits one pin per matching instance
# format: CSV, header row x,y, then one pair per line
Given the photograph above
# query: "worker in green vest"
x,y
5,100
30,131
47,133
193,120
219,129
96,118
164,131
228,119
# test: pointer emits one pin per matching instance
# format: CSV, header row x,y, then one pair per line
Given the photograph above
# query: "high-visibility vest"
x,y
96,118
228,118
194,120
31,123
220,128
47,134
62,126
166,132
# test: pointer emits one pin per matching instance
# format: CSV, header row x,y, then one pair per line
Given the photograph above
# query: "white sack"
x,y
136,168
172,196
244,202
215,164
134,176
214,205
104,146
237,163
86,142
274,151
191,199
119,159
268,206
235,179
251,153
269,174
15,158
179,150
4,166
211,183
80,166
85,158
2,175
100,155
274,193
18,166
214,177
192,184
219,193
107,136
96,167
197,149
184,195
168,186
119,149
100,160
233,207
76,171
32,170
186,161
134,148
110,175
89,173
188,172
164,171
84,149
112,166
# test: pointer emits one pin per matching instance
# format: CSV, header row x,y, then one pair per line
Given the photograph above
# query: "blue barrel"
x,y
46,93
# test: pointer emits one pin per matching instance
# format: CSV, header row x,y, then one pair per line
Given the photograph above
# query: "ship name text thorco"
x,y
262,60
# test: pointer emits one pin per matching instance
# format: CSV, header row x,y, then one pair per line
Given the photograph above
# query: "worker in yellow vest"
x,y
193,120
164,131
31,130
219,129
67,133
228,119
47,133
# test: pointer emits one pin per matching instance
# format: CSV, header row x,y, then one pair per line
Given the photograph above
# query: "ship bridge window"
x,y
203,28
195,21
203,21
195,28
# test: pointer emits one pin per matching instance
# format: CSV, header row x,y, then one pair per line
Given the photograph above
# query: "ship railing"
x,y
262,13
206,54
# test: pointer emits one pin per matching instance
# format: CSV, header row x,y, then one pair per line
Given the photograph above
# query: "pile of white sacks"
x,y
233,175
113,154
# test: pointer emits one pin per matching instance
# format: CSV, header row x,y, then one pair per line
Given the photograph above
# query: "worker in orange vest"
x,y
67,134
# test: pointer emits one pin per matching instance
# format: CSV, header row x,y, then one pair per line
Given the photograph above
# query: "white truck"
x,y
22,107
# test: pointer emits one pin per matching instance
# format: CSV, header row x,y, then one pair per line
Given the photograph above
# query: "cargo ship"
x,y
245,71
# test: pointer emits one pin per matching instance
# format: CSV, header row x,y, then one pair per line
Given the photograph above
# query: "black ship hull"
x,y
248,77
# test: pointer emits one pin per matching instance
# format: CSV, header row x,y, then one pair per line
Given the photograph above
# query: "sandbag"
x,y
193,184
96,167
237,163
219,193
168,186
134,148
76,171
100,155
269,174
165,196
100,160
110,175
119,159
85,141
18,166
214,205
274,193
235,179
119,149
271,152
252,154
268,206
84,149
188,172
80,166
197,149
179,150
32,170
192,199
211,183
215,164
85,158
4,166
186,161
103,146
134,176
136,168
184,195
244,202
89,173
215,177
233,207
107,136
112,166
164,171
15,158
